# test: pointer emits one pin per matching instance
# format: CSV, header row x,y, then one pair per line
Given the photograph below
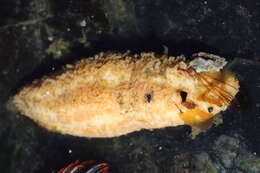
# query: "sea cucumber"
x,y
112,94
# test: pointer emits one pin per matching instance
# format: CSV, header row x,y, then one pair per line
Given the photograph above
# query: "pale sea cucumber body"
x,y
111,94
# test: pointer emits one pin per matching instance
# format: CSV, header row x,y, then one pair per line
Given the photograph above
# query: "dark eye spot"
x,y
183,95
148,97
210,109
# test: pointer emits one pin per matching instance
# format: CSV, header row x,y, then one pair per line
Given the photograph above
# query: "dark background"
x,y
37,37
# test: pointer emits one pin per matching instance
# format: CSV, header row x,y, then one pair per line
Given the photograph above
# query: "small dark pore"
x,y
184,102
210,109
183,96
148,97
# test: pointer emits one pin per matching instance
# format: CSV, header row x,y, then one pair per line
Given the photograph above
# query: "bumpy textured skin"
x,y
112,94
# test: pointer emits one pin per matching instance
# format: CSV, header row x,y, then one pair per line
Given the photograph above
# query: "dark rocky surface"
x,y
38,36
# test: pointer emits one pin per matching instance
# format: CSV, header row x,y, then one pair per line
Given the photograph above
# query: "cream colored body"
x,y
113,94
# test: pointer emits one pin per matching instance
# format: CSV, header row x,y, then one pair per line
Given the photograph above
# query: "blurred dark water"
x,y
37,37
